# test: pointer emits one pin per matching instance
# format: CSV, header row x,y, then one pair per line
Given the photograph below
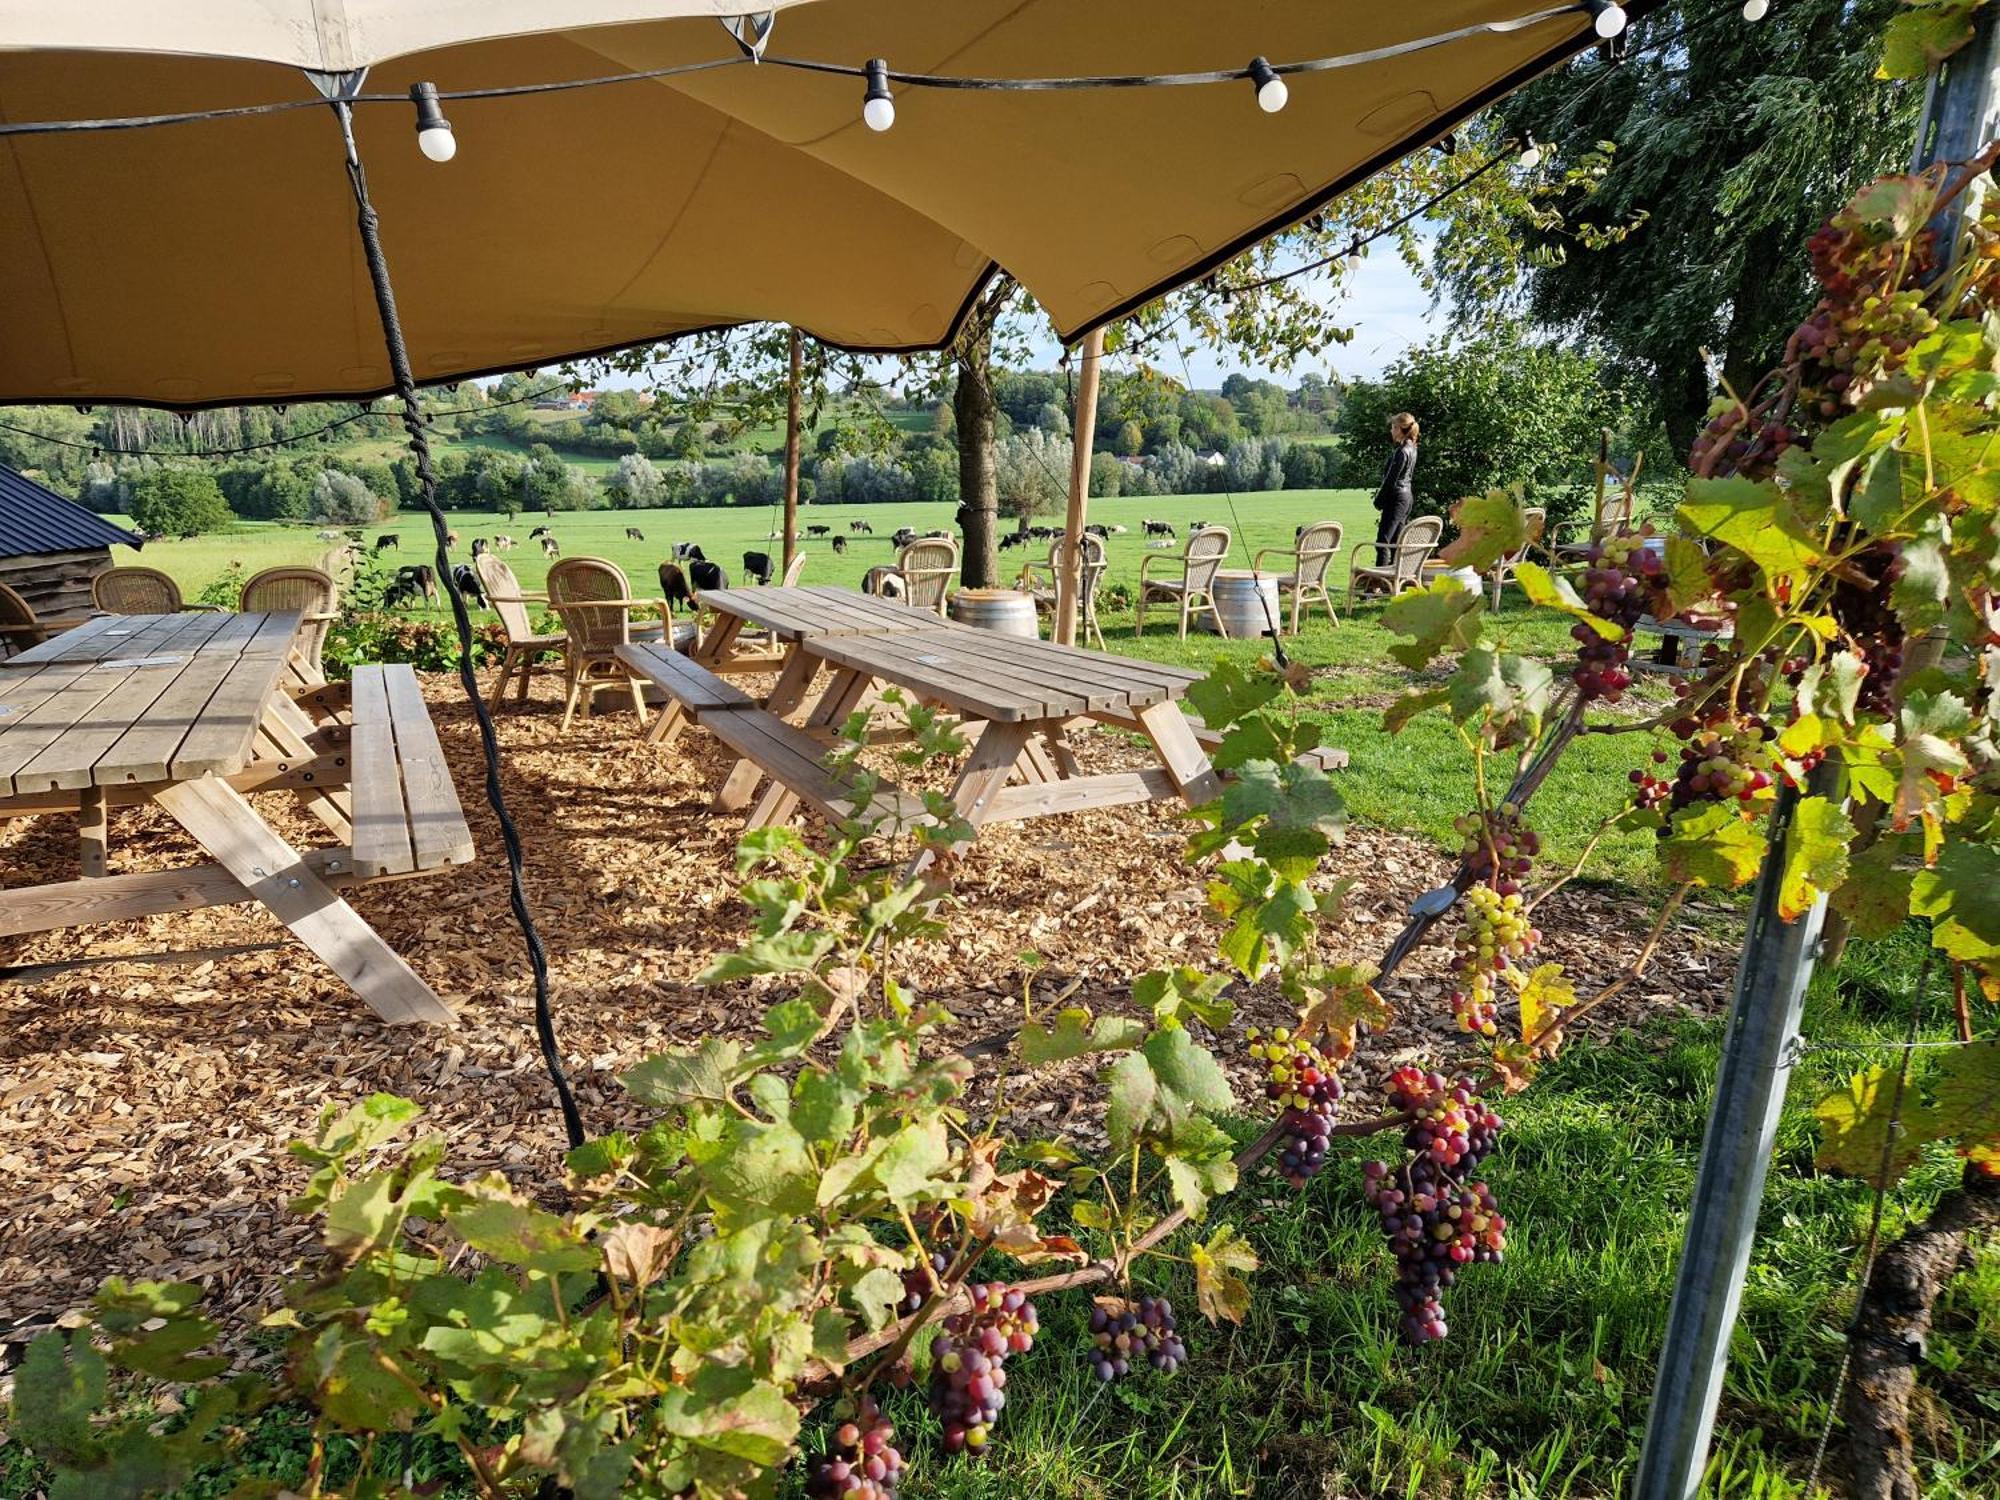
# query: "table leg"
x,y
1180,752
1036,763
93,828
218,818
713,648
986,772
794,682
1065,753
282,736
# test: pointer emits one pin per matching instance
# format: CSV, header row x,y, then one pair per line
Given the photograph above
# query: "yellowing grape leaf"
x,y
1755,519
1489,527
1815,855
1856,1140
1960,893
1688,580
1551,592
1075,1033
1875,897
1545,995
1443,616
1219,1267
1915,42
1968,1100
1339,1000
1407,707
1713,846
1929,722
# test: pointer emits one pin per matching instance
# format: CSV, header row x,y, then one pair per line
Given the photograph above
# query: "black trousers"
x,y
1395,516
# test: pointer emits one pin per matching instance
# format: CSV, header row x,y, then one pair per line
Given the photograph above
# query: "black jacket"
x,y
1396,474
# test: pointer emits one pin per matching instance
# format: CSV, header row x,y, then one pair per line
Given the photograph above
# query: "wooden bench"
x,y
792,757
405,810
1325,758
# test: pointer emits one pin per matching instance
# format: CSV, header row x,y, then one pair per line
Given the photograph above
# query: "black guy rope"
x,y
413,422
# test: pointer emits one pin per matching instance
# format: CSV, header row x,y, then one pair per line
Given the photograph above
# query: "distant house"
x,y
1213,459
50,547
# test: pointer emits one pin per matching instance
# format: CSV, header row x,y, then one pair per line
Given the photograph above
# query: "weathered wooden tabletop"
x,y
139,699
818,610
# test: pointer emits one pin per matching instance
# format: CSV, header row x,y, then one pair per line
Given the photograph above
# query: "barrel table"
x,y
1248,604
1008,611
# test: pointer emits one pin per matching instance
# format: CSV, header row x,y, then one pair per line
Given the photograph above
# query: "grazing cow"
x,y
467,578
903,537
634,534
674,587
939,535
861,528
885,581
451,539
840,544
1011,540
688,552
1194,526
757,567
503,544
818,530
421,577
329,536
705,575
1098,529
388,539
1158,528
538,533
479,546
551,547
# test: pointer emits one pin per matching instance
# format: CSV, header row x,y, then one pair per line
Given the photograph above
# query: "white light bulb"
x,y
1756,10
879,113
1272,95
438,143
1532,157
1610,21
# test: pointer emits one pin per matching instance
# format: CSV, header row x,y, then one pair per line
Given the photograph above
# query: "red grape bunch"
x,y
1301,1077
920,1280
1498,848
862,1460
1872,314
1725,756
1494,937
1435,1221
1121,1336
1617,586
968,1362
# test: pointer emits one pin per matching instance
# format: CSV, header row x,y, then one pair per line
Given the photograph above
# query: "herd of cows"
x,y
686,573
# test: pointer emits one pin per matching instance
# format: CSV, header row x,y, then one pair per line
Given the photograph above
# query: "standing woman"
x,y
1394,498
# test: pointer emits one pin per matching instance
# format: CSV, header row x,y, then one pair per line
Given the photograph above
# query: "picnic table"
x,y
189,712
1017,698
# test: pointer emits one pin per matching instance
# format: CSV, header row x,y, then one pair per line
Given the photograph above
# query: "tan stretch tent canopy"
x,y
216,261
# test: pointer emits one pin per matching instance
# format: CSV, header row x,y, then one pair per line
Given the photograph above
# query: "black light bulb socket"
x,y
1261,72
877,73
430,112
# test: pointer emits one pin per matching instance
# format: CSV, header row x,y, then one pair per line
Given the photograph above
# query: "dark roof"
x,y
34,519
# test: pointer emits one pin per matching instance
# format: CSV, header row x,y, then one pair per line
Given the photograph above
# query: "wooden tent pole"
x,y
792,454
1083,433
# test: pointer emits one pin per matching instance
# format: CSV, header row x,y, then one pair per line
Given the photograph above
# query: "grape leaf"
x,y
1712,846
1490,526
1968,1099
1855,1129
1755,519
1155,1090
1179,994
727,1408
1228,694
1219,1267
1877,501
496,1221
1914,42
913,1162
705,1074
1875,897
1923,585
1929,721
1545,994
1815,855
1509,688
1398,714
1688,580
1552,592
1341,999
1443,616
1201,1164
1961,896
1075,1034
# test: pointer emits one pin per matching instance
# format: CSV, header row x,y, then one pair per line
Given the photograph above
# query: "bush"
x,y
1305,467
179,502
428,645
342,500
1107,476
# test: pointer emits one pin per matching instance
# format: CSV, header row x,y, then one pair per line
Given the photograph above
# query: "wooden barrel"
x,y
1243,599
1006,610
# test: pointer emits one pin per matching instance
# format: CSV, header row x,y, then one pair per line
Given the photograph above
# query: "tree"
x,y
1032,473
548,484
1129,441
179,502
1731,148
635,484
1497,410
343,500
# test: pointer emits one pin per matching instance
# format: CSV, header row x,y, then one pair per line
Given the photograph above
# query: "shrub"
x,y
179,502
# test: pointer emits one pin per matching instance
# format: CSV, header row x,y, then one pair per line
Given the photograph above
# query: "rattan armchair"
x,y
313,595
1404,569
1038,581
1194,591
927,567
1501,571
597,606
21,627
1312,553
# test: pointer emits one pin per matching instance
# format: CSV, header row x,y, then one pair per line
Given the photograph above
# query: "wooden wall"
x,y
55,583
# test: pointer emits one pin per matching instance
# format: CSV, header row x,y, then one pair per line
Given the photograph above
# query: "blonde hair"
x,y
1406,423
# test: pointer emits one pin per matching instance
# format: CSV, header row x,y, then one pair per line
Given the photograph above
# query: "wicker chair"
x,y
1614,516
1039,580
1194,591
596,606
926,567
1312,554
313,595
794,572
1407,556
1537,518
525,645
21,627
138,591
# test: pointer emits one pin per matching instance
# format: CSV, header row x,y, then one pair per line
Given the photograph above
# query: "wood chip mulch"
x,y
145,1107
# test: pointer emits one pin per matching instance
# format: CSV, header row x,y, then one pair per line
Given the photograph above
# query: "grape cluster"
x,y
862,1460
1738,440
1121,1336
919,1281
1872,313
1498,848
1725,756
1434,1221
1302,1077
968,1362
1617,586
1494,937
